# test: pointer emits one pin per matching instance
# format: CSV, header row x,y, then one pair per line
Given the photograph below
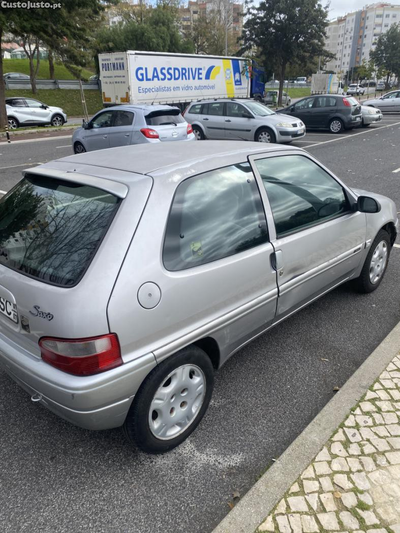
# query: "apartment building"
x,y
352,37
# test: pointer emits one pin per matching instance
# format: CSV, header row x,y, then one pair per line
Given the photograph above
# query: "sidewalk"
x,y
351,481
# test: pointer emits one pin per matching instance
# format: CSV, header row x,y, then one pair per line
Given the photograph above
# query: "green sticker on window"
x,y
196,249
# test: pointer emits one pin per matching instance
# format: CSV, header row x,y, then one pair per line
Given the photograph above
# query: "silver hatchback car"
x,y
123,125
128,276
247,120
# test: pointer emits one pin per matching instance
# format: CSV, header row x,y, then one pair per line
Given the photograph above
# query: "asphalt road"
x,y
58,478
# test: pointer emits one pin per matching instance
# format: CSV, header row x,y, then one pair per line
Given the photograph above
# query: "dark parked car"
x,y
327,112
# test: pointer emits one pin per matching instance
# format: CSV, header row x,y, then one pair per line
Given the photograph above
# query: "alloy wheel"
x,y
378,262
264,137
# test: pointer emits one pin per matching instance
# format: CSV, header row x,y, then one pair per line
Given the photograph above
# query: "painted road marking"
x,y
397,170
355,135
22,165
60,137
396,245
3,192
65,146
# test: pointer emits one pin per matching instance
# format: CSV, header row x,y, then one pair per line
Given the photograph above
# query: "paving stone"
x,y
339,435
395,442
322,468
380,444
326,484
395,394
342,481
329,521
368,463
388,384
309,524
381,431
267,525
394,471
340,465
313,500
294,488
377,386
392,490
369,517
323,455
297,503
385,375
354,464
368,407
348,520
380,477
360,480
295,522
378,495
371,395
366,498
351,421
395,528
308,473
354,449
385,406
377,530
366,433
281,507
390,418
368,448
353,435
283,524
378,418
338,449
363,420
393,457
381,460
395,374
387,513
349,499
310,486
394,429
328,502
383,395
357,411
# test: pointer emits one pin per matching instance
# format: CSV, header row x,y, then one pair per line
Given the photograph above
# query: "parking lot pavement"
x,y
59,478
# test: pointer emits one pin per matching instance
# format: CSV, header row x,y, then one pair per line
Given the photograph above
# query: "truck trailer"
x,y
165,78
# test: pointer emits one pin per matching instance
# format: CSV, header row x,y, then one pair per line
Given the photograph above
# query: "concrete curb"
x,y
265,494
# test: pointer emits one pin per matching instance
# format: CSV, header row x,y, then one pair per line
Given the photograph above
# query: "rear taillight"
x,y
346,102
189,129
82,357
149,133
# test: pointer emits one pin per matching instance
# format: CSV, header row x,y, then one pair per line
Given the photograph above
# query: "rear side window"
x,y
50,229
123,118
215,109
16,102
164,118
214,215
325,101
195,109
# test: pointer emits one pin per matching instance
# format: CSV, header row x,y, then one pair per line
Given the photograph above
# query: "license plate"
x,y
9,309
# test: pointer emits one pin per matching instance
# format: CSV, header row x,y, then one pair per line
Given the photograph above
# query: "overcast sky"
x,y
341,7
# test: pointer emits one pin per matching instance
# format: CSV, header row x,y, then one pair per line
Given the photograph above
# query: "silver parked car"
x,y
389,102
271,97
354,89
242,119
370,116
123,125
128,276
23,112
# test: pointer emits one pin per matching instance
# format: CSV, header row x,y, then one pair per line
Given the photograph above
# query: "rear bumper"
x,y
94,402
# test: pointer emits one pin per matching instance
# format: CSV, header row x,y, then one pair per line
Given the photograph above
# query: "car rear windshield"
x,y
50,229
164,118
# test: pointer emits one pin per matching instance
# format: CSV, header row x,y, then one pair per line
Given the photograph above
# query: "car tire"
x,y
336,125
375,264
180,385
13,123
265,135
79,148
198,133
57,120
363,125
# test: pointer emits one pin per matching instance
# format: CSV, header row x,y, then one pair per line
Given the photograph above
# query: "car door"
x,y
96,136
302,110
40,113
213,120
120,133
317,237
239,122
322,111
388,102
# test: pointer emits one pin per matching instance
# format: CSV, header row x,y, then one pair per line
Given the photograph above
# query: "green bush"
x,y
60,72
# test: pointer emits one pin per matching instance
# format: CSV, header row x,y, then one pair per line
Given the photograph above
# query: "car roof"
x,y
161,160
143,107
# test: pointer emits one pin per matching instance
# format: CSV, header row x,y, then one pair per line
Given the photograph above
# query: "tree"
x,y
289,31
386,55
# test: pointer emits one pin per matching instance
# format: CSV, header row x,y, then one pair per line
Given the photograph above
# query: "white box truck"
x,y
163,78
326,84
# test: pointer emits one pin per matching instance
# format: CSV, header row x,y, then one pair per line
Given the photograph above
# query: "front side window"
x,y
103,121
307,103
214,215
236,110
300,192
33,103
50,229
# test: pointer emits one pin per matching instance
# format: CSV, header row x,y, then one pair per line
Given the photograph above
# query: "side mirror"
x,y
247,115
291,108
365,204
85,125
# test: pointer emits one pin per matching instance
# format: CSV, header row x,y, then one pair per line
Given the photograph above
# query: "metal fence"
x,y
51,84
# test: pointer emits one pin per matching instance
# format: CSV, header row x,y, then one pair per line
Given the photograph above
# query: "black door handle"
x,y
228,120
205,118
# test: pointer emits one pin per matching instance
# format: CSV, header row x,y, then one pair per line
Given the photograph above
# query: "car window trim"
x,y
268,209
267,226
